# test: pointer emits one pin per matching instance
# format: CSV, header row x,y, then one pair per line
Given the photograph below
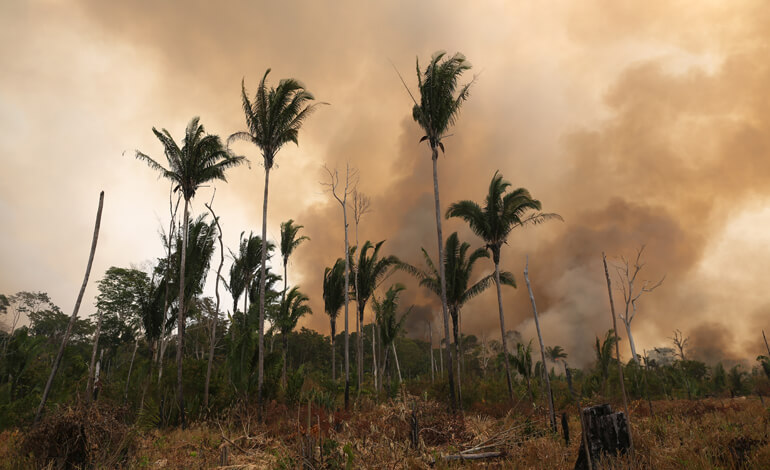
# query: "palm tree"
x,y
334,300
274,119
493,223
390,325
603,350
292,309
556,354
436,112
289,243
201,159
458,267
522,361
371,270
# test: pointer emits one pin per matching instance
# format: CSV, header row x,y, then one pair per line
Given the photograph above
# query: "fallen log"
x,y
479,456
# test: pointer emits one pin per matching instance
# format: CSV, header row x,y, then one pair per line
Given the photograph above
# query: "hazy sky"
x,y
638,122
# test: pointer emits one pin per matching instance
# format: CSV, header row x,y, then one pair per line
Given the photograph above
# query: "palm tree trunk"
x,y
285,349
502,330
213,341
542,349
374,357
334,355
130,368
74,316
262,282
359,348
456,331
180,317
452,400
90,385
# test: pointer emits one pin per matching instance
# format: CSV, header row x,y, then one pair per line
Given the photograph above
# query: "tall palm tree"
x,y
493,223
440,100
390,326
293,307
274,119
603,350
458,267
289,243
201,158
334,300
371,270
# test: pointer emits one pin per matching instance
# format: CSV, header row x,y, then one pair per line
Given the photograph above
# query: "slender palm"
x,y
274,118
289,243
201,158
493,223
458,267
603,350
293,308
441,97
522,361
371,270
389,325
334,300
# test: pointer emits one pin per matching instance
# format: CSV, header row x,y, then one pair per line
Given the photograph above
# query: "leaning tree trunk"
x,y
262,283
502,327
180,318
130,368
542,348
442,275
395,357
74,316
432,361
374,358
213,341
91,370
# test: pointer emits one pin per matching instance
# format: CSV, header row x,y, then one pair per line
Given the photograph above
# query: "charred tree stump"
x,y
414,432
607,434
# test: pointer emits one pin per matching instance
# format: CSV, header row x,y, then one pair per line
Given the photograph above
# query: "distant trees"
x,y
334,300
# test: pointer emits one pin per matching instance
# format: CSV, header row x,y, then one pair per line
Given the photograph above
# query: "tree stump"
x,y
606,432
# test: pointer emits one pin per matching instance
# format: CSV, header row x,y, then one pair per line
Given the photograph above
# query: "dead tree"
x,y
617,354
215,316
333,186
680,342
628,274
74,316
361,207
551,414
432,361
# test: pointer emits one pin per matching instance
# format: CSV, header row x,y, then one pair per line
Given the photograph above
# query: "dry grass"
x,y
702,434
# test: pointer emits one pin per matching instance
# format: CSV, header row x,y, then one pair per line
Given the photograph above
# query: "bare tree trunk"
x,y
130,368
766,345
502,330
441,357
395,356
213,341
91,368
161,356
262,284
631,341
442,274
456,333
617,353
180,318
74,316
542,348
347,301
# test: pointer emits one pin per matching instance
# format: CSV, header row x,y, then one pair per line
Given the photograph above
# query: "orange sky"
x,y
638,122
